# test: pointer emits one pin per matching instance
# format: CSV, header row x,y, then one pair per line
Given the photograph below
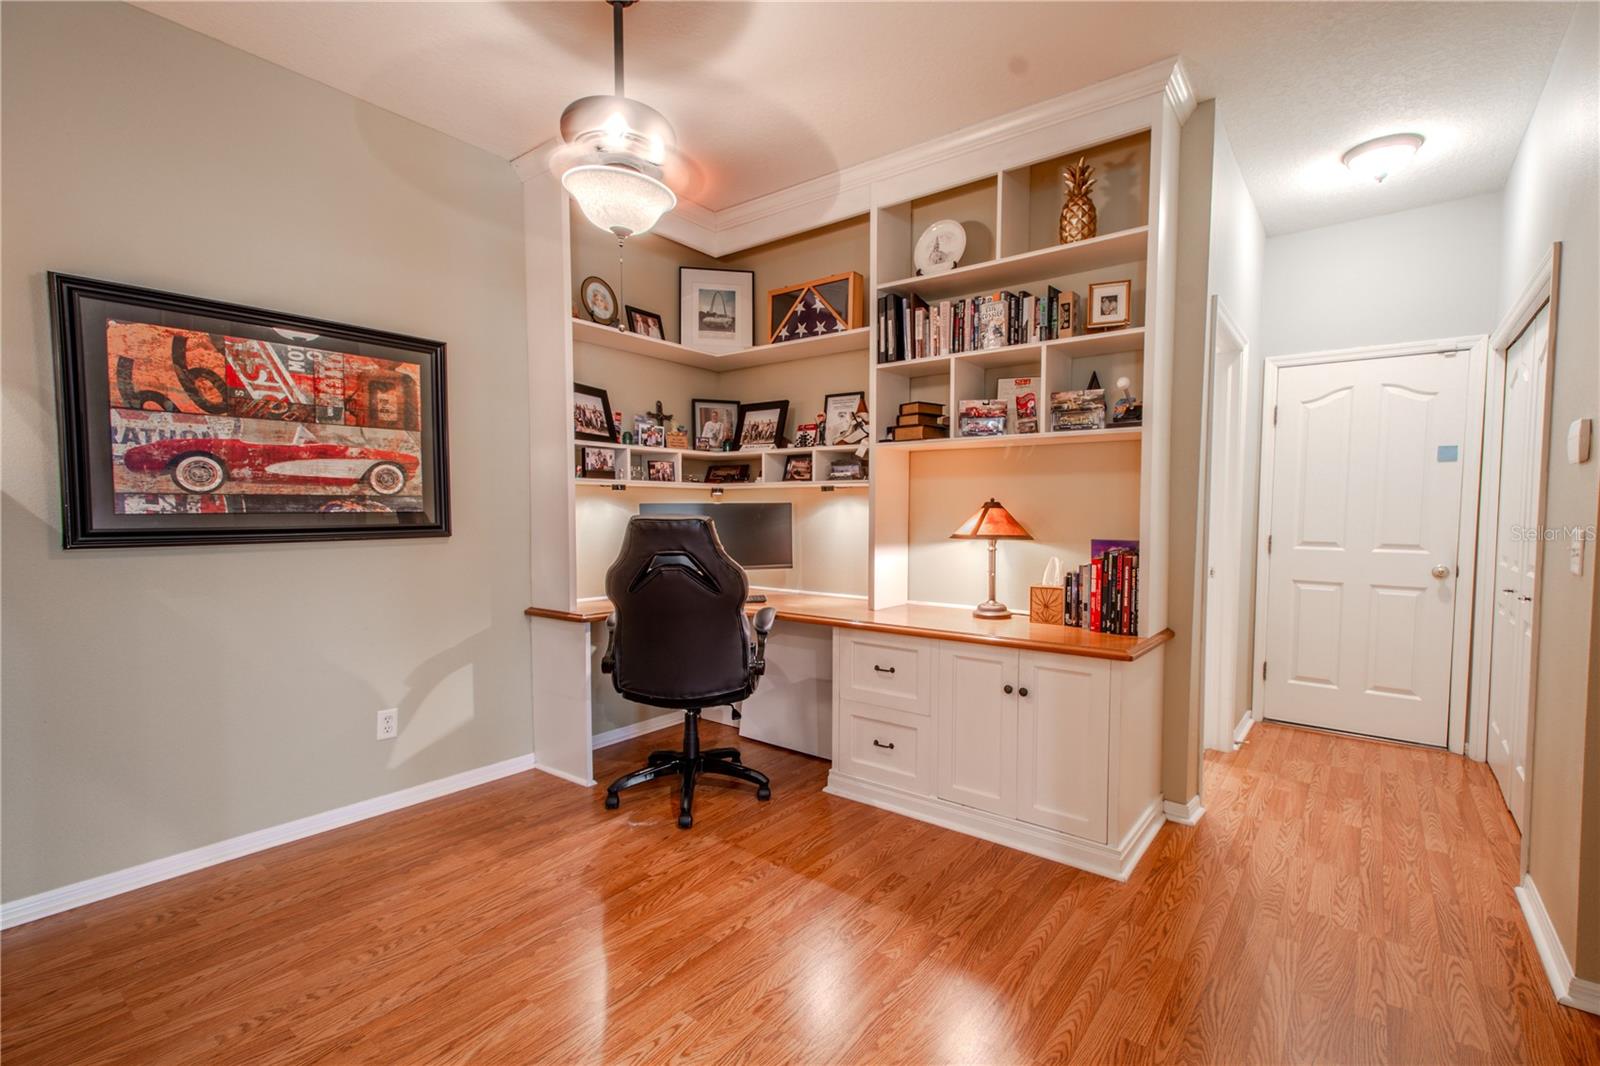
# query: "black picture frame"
x,y
603,473
637,315
580,433
826,430
95,514
727,473
730,406
748,409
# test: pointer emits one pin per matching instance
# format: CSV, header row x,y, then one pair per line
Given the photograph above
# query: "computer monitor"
x,y
759,536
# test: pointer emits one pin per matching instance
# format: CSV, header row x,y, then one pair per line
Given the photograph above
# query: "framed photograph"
x,y
659,470
190,421
847,469
713,423
845,418
600,463
717,308
727,472
646,324
599,300
797,468
591,415
648,433
761,425
1110,305
805,435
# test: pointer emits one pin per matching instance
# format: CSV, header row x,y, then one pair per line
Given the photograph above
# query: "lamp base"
x,y
991,609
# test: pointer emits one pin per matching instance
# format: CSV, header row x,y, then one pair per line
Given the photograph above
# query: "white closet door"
x,y
1366,491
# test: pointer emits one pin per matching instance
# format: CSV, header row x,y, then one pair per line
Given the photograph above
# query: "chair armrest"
x,y
608,661
763,625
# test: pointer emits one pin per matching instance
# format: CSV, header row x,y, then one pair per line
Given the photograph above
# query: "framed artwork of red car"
x,y
187,421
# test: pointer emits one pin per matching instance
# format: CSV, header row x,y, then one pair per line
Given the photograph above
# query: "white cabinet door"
x,y
976,708
1063,736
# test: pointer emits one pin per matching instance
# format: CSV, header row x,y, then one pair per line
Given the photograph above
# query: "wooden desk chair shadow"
x,y
679,637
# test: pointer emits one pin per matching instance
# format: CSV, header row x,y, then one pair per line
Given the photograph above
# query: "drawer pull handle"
x,y
883,669
880,744
1022,692
1008,690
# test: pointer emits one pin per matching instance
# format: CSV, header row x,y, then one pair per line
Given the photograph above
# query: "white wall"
x,y
1554,195
1412,275
160,699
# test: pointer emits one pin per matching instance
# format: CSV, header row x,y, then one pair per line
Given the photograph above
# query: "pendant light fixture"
x,y
617,148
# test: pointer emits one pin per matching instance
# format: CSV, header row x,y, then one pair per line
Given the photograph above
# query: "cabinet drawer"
x,y
884,670
890,747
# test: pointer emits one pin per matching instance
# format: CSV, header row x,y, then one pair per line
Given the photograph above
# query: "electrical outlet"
x,y
389,723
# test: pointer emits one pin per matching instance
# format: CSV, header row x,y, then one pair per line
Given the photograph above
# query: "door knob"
x,y
1441,571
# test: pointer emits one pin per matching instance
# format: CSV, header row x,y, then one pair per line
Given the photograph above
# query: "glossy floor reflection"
x,y
1341,901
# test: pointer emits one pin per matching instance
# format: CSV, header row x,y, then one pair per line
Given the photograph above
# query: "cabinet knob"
x,y
1022,692
883,669
880,744
1008,690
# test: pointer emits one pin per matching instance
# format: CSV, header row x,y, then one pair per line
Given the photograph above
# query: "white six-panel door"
x,y
1515,555
1364,522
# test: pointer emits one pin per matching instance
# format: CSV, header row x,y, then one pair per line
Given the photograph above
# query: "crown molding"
x,y
848,191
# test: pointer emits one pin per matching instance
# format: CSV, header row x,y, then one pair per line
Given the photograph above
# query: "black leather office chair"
x,y
679,637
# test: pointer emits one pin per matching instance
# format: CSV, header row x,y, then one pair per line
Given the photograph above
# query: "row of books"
x,y
1103,594
911,328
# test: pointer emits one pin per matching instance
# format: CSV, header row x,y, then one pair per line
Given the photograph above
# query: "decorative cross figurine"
x,y
658,417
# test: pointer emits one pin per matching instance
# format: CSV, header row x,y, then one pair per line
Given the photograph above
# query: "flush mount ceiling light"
x,y
615,152
1378,158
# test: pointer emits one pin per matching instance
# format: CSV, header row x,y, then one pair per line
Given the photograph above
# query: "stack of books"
x,y
1103,595
911,328
920,420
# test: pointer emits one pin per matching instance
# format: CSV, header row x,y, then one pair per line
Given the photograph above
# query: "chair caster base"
x,y
763,793
613,801
685,821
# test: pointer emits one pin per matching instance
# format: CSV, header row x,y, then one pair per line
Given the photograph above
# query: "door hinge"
x,y
1274,414
1263,669
1269,543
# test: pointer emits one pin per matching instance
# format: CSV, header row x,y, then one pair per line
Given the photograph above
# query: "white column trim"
x,y
1570,990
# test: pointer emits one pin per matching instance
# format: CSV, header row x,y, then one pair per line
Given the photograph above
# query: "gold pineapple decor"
x,y
1078,220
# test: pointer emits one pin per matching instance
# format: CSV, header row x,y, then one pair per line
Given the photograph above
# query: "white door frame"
x,y
1543,289
1222,479
1477,351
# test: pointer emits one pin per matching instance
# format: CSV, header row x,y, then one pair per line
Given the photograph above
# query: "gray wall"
x,y
161,699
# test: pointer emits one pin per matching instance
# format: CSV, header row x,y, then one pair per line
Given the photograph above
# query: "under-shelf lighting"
x,y
1378,158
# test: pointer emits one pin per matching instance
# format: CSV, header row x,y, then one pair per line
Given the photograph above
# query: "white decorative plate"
x,y
940,247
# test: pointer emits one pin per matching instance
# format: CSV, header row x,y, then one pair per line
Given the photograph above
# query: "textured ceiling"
x,y
765,95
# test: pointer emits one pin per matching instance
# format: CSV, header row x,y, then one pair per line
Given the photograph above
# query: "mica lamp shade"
x,y
992,522
618,199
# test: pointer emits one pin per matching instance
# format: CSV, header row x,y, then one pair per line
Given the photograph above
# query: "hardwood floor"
x,y
1341,901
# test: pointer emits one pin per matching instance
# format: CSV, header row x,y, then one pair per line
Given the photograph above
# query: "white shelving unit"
x,y
761,355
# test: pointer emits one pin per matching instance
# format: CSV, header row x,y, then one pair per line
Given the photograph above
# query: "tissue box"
x,y
1047,604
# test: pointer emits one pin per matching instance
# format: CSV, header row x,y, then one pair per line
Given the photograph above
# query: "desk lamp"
x,y
991,523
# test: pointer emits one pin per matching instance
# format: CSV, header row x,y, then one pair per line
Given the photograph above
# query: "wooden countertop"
x,y
914,620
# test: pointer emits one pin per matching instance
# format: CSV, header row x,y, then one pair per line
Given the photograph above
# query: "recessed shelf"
x,y
762,355
595,482
1124,246
1090,344
1021,440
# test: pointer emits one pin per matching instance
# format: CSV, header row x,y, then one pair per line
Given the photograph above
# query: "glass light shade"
x,y
1376,159
617,199
991,522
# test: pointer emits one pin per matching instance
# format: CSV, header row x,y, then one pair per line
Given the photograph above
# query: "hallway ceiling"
x,y
766,95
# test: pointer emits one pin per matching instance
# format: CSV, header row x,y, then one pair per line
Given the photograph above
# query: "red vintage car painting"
x,y
206,465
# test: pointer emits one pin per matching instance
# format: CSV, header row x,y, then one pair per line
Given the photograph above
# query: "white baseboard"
x,y
637,729
563,775
1116,862
1184,813
1570,990
1242,730
31,908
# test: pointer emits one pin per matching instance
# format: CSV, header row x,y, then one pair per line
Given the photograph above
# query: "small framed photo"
x,y
717,308
847,469
591,415
797,468
646,324
659,470
761,425
599,300
600,463
724,473
648,433
805,435
713,423
845,418
1110,305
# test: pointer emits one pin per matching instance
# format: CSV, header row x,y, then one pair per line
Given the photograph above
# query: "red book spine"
x,y
1095,581
1127,590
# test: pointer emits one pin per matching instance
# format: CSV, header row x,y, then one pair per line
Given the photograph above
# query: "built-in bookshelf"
x,y
588,332
768,467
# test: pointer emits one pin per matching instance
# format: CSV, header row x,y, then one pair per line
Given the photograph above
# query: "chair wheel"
x,y
613,801
763,793
685,821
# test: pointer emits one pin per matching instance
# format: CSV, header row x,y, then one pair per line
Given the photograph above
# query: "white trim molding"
x,y
637,729
1242,730
65,898
1184,813
1570,990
